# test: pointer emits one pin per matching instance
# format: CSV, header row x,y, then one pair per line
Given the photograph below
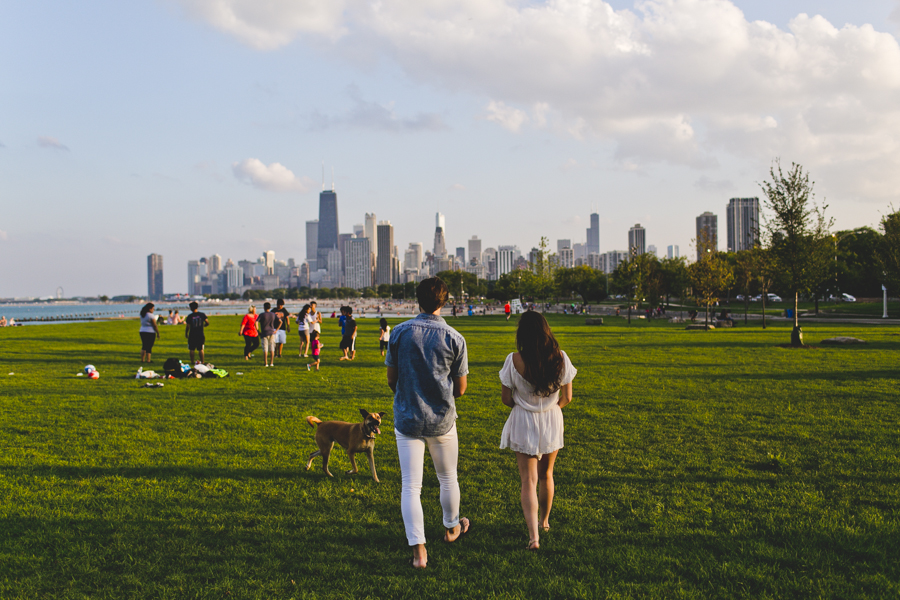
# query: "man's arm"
x,y
187,328
392,376
459,386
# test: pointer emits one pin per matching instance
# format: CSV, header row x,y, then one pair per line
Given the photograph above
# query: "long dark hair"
x,y
146,309
303,312
540,352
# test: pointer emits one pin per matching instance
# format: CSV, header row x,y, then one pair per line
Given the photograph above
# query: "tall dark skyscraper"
x,y
742,216
384,264
328,227
707,233
593,235
155,277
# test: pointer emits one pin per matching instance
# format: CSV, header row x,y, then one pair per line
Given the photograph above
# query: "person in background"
x,y
304,324
508,310
179,320
248,330
316,317
315,346
194,327
427,367
284,328
170,320
348,338
149,331
267,324
385,336
536,382
3,321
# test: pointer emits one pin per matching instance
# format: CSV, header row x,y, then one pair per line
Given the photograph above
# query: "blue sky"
x,y
194,127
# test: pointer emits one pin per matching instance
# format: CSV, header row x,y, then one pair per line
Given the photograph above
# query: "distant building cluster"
x,y
369,257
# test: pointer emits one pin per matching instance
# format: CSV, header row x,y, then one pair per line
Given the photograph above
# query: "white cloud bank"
x,y
677,81
273,178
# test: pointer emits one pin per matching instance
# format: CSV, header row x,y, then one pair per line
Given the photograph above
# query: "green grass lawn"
x,y
697,465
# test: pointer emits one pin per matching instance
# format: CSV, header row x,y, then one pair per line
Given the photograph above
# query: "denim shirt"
x,y
427,354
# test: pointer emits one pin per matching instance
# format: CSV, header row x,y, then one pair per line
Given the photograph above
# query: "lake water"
x,y
54,312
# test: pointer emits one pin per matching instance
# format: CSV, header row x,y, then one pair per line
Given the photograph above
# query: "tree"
x,y
455,279
674,277
541,284
744,276
888,256
796,233
583,281
710,275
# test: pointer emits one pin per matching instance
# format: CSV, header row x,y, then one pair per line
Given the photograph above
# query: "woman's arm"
x,y
565,395
155,327
506,396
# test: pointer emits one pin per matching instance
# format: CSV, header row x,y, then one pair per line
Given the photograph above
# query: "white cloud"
x,y
507,116
273,178
51,142
677,81
269,24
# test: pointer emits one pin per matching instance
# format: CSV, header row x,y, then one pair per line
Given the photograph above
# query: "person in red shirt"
x,y
508,310
248,330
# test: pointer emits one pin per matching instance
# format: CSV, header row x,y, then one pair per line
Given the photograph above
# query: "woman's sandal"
x,y
464,525
532,545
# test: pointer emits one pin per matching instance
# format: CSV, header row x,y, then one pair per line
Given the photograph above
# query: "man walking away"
x,y
195,324
284,328
268,324
427,365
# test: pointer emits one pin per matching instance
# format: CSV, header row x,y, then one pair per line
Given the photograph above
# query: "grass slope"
x,y
697,465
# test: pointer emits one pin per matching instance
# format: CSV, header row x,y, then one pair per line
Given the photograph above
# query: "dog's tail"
x,y
313,421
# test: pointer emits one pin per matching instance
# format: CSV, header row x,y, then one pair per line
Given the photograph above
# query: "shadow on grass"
x,y
154,472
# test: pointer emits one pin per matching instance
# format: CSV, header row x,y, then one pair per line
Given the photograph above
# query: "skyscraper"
x,y
194,276
593,235
439,221
268,258
214,264
742,220
475,250
384,262
357,263
328,228
359,230
637,239
560,244
312,243
461,255
673,252
707,233
371,228
506,259
155,277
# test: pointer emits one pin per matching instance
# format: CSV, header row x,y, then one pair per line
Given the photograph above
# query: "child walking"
x,y
385,336
316,345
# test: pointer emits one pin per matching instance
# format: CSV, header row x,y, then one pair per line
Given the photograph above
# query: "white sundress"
x,y
535,425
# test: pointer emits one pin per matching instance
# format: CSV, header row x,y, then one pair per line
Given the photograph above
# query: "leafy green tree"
x,y
674,277
709,276
744,276
582,281
797,234
542,283
455,279
888,256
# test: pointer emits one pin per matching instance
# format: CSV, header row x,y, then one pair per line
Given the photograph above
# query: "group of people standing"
x,y
271,328
427,369
194,331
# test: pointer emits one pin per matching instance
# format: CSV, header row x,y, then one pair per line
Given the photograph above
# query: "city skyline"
x,y
174,127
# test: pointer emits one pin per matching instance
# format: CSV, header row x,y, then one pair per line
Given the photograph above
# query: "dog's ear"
x,y
364,412
381,414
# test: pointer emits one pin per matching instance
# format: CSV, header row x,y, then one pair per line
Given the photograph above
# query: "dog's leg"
x,y
352,457
371,453
326,454
311,457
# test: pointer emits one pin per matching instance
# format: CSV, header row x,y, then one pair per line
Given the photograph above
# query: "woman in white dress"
x,y
536,384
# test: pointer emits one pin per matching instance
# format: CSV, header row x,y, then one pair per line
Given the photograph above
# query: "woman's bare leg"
x,y
528,473
546,487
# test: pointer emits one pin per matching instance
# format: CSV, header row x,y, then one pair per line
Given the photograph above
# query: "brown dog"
x,y
353,437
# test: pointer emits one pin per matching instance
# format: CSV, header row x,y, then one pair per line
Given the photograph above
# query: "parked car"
x,y
773,298
847,298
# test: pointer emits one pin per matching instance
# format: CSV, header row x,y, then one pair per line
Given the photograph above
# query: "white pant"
x,y
444,452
